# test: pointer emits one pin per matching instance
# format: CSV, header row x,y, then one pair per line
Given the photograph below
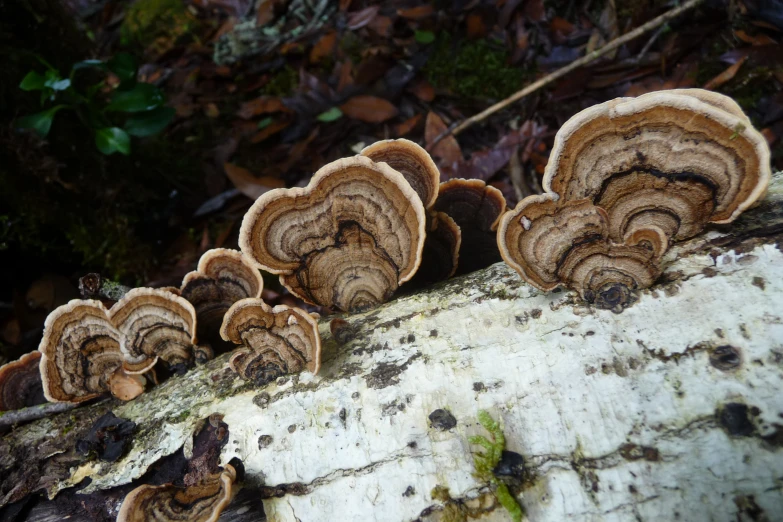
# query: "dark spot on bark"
x,y
535,313
619,367
396,323
708,271
108,438
355,395
746,505
734,417
433,333
635,452
402,340
632,489
725,358
719,332
261,400
343,416
413,445
442,420
385,374
590,370
633,363
264,441
589,333
281,490
292,428
511,464
409,492
411,338
479,387
759,282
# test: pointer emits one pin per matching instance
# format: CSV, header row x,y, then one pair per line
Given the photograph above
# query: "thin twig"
x,y
10,418
588,58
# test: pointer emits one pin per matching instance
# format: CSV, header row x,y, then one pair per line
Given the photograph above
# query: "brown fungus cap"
x,y
685,137
155,325
275,341
625,179
20,383
80,352
222,278
202,502
412,161
347,239
476,208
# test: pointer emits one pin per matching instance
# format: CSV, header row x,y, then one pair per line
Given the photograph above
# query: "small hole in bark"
x,y
725,358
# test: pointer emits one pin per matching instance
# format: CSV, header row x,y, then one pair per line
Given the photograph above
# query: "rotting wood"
x,y
672,406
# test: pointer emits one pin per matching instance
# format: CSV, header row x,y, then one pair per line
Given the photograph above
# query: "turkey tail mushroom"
x,y
625,179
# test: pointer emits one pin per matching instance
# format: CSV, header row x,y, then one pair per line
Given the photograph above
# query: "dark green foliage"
x,y
98,110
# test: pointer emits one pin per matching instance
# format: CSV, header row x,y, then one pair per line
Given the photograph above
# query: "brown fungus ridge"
x,y
20,383
440,256
222,278
155,325
275,341
80,352
412,161
347,239
683,137
476,208
202,502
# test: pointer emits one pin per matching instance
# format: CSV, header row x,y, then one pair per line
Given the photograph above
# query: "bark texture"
x,y
670,410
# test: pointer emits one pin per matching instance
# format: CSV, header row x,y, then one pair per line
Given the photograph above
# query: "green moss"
x,y
486,461
477,69
283,83
148,21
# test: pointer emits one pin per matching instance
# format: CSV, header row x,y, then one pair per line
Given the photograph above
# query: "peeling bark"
x,y
669,410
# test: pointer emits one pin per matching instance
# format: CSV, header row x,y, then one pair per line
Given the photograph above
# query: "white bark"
x,y
618,416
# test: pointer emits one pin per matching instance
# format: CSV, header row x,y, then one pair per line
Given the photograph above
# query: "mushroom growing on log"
x,y
222,278
347,240
20,383
625,179
275,341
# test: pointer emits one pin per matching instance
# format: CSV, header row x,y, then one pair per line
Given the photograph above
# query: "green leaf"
x,y
266,122
124,66
33,82
40,122
112,139
143,97
425,37
150,122
331,115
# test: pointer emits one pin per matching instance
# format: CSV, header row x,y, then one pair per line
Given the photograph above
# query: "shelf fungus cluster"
x,y
222,278
20,383
202,502
625,180
87,350
362,227
274,341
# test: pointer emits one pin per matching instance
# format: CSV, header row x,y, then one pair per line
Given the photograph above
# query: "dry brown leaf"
x,y
726,75
423,90
561,25
269,130
414,13
408,125
369,109
248,184
447,149
382,25
324,47
359,19
476,26
757,39
346,75
262,105
265,12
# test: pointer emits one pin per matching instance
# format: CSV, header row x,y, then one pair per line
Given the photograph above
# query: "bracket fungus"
x,y
275,341
87,350
348,239
626,179
20,383
476,208
202,502
222,278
